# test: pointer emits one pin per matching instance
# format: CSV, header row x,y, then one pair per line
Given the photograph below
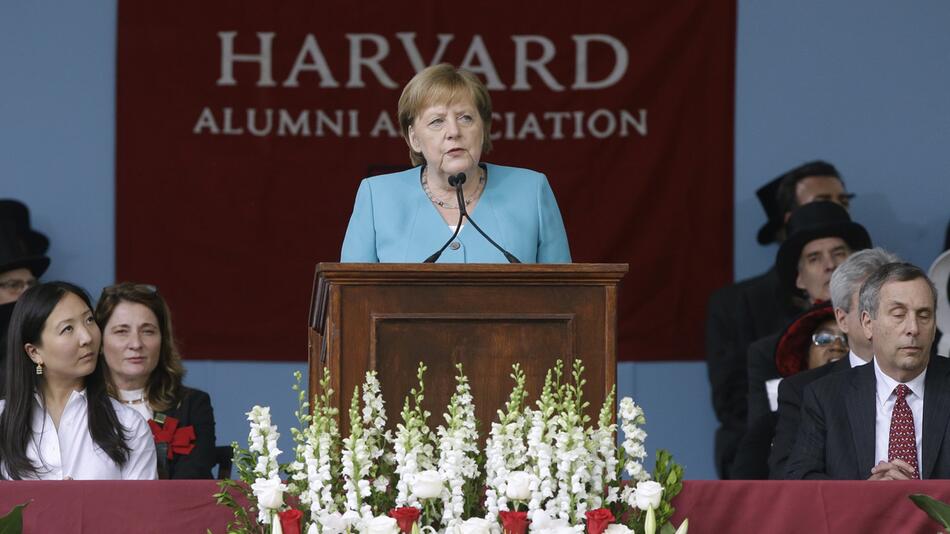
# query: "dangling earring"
x,y
39,368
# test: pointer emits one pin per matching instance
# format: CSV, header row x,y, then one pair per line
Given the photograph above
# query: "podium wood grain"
x,y
390,317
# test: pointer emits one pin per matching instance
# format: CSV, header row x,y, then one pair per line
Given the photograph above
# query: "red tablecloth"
x,y
712,506
74,506
832,507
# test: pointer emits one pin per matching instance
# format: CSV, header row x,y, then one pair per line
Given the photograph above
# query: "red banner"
x,y
244,128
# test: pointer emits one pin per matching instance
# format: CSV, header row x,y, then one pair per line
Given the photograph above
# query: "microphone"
x,y
455,181
460,179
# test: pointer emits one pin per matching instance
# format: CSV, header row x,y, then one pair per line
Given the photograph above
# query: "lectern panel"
x,y
485,344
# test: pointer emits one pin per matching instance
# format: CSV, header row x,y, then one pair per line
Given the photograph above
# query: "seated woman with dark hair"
x,y
144,371
58,421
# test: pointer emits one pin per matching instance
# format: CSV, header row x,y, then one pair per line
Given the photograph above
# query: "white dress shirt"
x,y
855,360
885,406
70,452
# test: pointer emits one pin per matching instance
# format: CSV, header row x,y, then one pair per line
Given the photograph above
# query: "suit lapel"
x,y
861,415
936,413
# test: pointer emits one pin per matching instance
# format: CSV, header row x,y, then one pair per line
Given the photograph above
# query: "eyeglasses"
x,y
17,286
827,338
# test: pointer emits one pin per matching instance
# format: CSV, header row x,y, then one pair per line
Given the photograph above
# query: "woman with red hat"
x,y
810,341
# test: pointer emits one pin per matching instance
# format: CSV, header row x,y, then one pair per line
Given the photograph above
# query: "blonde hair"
x,y
442,84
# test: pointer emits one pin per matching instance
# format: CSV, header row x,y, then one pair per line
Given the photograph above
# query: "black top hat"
x,y
768,198
816,220
776,207
20,245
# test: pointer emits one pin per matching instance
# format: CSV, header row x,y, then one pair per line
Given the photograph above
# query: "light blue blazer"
x,y
393,221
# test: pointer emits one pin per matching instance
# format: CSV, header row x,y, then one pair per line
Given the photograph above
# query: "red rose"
x,y
597,520
290,521
405,517
514,522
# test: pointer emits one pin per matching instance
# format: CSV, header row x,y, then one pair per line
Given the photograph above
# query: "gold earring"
x,y
39,368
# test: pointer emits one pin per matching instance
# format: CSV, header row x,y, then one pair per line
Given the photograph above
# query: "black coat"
x,y
194,409
836,437
761,369
736,316
789,412
752,458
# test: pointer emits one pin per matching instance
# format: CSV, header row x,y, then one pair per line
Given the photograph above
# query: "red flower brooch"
x,y
180,440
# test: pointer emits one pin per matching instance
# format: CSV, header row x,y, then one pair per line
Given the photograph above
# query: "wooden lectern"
x,y
389,317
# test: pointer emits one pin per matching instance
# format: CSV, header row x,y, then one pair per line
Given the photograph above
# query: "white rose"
x,y
648,494
618,529
542,522
427,485
333,523
380,525
518,486
562,529
269,493
475,525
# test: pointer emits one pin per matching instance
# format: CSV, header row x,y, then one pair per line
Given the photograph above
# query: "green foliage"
x,y
515,405
12,523
670,475
608,409
245,518
937,510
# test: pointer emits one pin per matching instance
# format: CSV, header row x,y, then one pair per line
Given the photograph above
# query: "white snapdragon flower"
x,y
458,450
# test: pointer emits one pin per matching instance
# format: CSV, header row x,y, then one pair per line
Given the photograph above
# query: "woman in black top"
x,y
144,371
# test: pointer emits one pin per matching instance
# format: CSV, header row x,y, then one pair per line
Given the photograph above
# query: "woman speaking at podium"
x,y
407,217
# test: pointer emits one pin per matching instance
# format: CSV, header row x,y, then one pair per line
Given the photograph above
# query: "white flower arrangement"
x,y
267,486
602,452
546,463
412,444
356,463
377,440
543,426
458,452
506,452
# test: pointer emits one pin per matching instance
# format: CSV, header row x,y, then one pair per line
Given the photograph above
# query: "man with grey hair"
x,y
887,420
845,285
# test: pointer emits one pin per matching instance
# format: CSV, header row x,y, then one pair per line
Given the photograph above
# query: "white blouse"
x,y
70,452
135,399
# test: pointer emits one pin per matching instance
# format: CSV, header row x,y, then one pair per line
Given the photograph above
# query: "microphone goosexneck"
x,y
464,213
457,181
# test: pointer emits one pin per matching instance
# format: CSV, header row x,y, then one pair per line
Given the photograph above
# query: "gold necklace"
x,y
445,204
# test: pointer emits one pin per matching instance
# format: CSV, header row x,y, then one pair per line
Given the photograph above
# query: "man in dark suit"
x,y
821,236
845,285
741,313
887,420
